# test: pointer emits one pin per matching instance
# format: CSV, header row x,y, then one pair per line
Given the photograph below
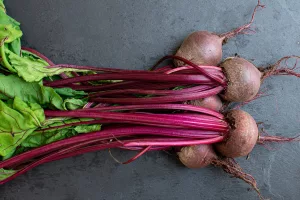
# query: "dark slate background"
x,y
134,34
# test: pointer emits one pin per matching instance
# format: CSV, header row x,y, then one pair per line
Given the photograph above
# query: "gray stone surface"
x,y
134,34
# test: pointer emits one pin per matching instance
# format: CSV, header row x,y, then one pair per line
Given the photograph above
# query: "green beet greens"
x,y
23,97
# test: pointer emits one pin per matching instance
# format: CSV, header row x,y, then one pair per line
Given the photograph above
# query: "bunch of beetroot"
x,y
180,105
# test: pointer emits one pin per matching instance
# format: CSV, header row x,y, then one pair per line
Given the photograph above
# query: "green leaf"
x,y
2,6
40,137
18,121
68,92
13,86
5,173
30,67
74,104
87,128
9,28
15,46
9,32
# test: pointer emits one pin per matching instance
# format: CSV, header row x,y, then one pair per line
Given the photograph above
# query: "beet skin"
x,y
242,136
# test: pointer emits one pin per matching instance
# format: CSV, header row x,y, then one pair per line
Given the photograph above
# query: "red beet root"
x,y
205,48
242,136
200,156
201,48
212,102
243,79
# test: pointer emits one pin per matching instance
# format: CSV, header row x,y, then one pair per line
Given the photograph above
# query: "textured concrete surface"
x,y
134,34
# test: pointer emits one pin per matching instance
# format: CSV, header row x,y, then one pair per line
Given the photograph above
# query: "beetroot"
x,y
242,136
200,156
243,79
197,156
201,48
205,48
212,102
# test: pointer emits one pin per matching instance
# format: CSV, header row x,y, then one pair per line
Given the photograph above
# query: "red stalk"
x,y
178,78
137,118
171,142
141,148
42,56
137,156
184,107
162,99
99,121
152,92
203,71
115,70
122,85
170,71
49,158
104,135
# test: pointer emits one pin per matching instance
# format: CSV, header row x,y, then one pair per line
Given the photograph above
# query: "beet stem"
x,y
152,92
199,68
137,118
137,156
42,56
178,78
46,159
103,135
159,106
161,99
171,142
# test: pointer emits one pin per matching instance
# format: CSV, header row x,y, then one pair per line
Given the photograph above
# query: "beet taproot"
x,y
200,156
242,136
205,48
213,102
243,79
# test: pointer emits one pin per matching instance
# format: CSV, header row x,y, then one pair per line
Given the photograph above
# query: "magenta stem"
x,y
203,71
171,142
49,158
86,149
88,105
164,68
122,85
42,56
71,151
162,99
141,148
160,106
100,69
100,121
137,156
178,78
116,70
137,118
152,92
103,135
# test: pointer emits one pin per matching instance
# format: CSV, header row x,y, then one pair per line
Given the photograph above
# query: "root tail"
x,y
278,139
230,166
281,68
244,29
